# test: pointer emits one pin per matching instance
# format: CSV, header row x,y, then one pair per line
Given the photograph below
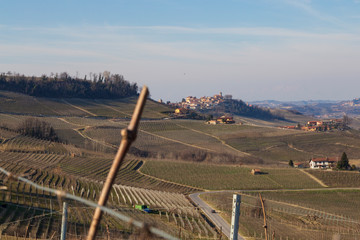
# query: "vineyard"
x,y
338,178
29,213
23,207
170,159
227,177
291,218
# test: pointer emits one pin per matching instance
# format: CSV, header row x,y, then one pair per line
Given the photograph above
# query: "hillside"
x,y
22,104
317,108
240,108
170,159
95,123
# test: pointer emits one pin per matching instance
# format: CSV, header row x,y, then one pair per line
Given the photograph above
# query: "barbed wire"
x,y
64,195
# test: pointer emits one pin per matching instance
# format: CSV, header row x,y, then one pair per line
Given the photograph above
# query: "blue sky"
x,y
252,49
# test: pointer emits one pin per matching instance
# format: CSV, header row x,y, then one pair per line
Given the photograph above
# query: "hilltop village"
x,y
188,105
202,103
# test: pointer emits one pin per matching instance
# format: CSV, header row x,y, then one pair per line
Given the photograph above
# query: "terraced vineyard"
x,y
36,214
127,175
173,208
153,175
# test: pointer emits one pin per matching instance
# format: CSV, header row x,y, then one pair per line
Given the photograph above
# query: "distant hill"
x,y
22,104
240,108
64,86
317,108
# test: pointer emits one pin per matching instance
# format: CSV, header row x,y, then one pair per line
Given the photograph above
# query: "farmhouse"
x,y
225,120
323,163
212,122
255,171
299,165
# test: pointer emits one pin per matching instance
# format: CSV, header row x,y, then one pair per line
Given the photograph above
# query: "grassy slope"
x,y
227,177
258,138
118,108
263,140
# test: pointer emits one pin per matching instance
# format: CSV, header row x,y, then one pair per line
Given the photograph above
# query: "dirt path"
x,y
66,121
94,140
314,178
116,110
78,130
80,108
217,138
300,150
177,141
347,145
169,139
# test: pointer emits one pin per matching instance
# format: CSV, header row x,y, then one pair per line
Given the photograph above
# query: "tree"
x,y
291,163
34,128
343,163
346,121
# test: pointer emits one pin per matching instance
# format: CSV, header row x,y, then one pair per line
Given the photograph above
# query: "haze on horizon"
x,y
255,50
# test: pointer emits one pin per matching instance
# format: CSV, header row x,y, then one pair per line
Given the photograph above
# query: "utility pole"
x,y
235,217
64,221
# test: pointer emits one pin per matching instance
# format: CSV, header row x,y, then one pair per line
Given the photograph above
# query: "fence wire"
x,y
64,195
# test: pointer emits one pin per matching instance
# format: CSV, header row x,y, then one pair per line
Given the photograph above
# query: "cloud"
x,y
90,33
306,6
262,65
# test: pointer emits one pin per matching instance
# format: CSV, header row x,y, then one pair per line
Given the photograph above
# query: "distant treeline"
x,y
62,85
238,107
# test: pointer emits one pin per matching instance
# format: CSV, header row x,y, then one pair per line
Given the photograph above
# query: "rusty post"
x,y
128,136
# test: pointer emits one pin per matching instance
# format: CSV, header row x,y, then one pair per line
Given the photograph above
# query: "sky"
x,y
283,50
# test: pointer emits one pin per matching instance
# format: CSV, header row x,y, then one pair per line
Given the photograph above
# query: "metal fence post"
x,y
235,217
64,221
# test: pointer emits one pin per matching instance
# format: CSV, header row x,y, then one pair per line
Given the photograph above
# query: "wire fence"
x,y
62,195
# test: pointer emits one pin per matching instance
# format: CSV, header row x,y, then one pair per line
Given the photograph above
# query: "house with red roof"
x,y
324,163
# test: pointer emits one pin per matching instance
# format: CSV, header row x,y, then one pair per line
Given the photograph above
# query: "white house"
x,y
323,163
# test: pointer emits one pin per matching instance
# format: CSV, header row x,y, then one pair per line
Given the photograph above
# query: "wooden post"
x,y
128,136
64,221
264,213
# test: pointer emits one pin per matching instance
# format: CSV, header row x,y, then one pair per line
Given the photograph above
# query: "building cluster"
x,y
194,103
221,120
319,163
319,126
353,103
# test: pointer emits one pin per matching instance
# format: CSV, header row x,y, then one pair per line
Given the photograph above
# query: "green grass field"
x,y
215,177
